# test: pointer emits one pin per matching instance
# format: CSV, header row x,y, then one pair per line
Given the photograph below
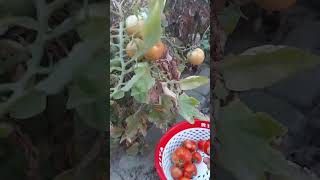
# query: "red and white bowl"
x,y
172,139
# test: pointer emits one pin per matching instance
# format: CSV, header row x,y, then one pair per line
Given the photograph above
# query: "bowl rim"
x,y
183,125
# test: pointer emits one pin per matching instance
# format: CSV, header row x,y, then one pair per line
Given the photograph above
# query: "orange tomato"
x,y
133,46
155,52
196,57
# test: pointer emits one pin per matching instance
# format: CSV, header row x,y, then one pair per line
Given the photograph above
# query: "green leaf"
x,y
132,127
140,90
94,114
91,77
152,25
119,94
67,68
245,72
5,130
92,27
220,91
193,82
140,83
17,8
31,104
12,53
245,139
229,18
77,97
187,107
181,67
161,117
116,132
140,70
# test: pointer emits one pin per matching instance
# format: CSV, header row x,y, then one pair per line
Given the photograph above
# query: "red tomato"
x,y
201,144
190,168
176,160
184,178
176,172
196,156
187,144
190,144
181,156
194,146
207,147
187,174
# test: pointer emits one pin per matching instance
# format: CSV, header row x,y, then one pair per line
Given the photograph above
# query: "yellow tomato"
x,y
155,52
133,46
196,56
134,25
275,5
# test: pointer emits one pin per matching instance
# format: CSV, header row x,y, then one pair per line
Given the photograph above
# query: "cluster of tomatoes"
x,y
186,156
134,28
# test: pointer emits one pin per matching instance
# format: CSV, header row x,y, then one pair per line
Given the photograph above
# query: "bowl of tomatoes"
x,y
183,152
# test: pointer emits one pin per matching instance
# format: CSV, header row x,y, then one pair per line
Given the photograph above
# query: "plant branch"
x,y
26,22
37,53
56,5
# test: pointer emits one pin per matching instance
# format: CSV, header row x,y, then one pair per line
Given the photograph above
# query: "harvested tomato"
x,y
176,172
207,147
190,168
187,174
196,57
181,156
134,46
193,146
184,178
196,157
190,145
155,52
201,145
176,160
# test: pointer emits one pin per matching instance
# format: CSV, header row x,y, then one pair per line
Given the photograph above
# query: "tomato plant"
x,y
145,76
246,138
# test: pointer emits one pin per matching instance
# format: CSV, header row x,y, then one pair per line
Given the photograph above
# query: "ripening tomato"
x,y
184,178
201,145
181,156
187,174
155,52
196,157
176,172
275,5
193,146
188,144
134,46
176,160
207,147
196,56
190,168
134,25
